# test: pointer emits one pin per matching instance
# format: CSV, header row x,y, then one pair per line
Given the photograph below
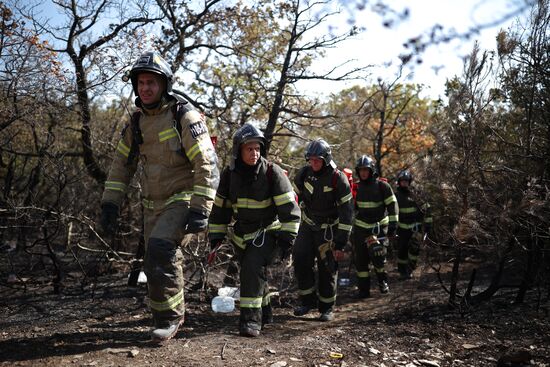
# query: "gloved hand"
x,y
197,222
379,250
339,245
392,231
108,220
284,243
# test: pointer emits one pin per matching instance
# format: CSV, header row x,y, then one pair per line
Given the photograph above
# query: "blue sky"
x,y
382,46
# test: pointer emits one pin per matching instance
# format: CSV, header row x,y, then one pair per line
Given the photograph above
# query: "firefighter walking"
x,y
324,230
376,215
415,222
178,182
259,196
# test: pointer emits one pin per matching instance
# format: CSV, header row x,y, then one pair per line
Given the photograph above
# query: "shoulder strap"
x,y
137,138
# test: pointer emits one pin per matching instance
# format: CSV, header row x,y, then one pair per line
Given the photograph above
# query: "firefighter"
x,y
259,196
415,222
178,182
324,231
376,216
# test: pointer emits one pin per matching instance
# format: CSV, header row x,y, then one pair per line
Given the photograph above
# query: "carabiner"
x,y
262,231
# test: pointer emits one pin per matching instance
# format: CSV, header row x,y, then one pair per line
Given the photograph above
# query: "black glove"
x,y
339,245
340,240
379,250
108,221
197,222
284,243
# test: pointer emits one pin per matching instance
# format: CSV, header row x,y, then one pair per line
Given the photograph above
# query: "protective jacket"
x,y
177,165
261,200
413,215
376,206
327,200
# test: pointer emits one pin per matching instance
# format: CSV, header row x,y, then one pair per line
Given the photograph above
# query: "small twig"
x,y
223,351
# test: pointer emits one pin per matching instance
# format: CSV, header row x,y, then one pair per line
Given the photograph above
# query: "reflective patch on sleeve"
x,y
197,129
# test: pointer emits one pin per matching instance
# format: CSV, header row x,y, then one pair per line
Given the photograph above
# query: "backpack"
x,y
178,111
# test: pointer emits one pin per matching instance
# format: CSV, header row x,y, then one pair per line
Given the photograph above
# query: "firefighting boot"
x,y
165,330
363,288
383,282
302,310
404,271
249,331
327,315
267,315
250,322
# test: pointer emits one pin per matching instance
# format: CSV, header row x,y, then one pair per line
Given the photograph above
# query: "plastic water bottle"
x,y
232,292
223,304
344,282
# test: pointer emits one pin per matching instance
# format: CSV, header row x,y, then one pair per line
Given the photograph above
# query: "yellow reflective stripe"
x,y
193,151
247,203
369,204
251,302
327,299
266,300
402,261
218,201
305,292
312,223
204,191
308,187
346,198
344,227
167,134
182,196
291,227
390,199
363,274
413,257
296,189
282,199
217,228
170,304
148,204
428,220
362,224
115,186
409,226
238,241
407,210
327,189
123,149
379,270
393,218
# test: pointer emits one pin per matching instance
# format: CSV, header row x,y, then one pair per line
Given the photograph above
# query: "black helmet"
x,y
320,148
243,135
151,62
366,161
404,175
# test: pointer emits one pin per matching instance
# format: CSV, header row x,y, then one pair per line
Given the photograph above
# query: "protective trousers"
x,y
364,256
254,260
305,251
163,263
408,249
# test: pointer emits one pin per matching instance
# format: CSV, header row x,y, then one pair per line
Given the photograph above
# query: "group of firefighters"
x,y
313,218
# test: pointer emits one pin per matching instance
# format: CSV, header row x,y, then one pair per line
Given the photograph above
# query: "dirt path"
x,y
409,327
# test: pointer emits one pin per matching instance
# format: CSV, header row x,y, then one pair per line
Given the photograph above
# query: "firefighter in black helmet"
x,y
375,220
324,230
178,183
415,222
257,194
